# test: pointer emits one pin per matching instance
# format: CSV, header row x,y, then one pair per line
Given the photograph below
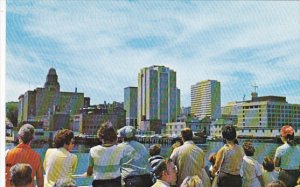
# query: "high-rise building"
x,y
206,99
130,105
157,94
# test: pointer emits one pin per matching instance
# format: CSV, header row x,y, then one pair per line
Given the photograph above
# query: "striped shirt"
x,y
105,162
154,160
58,164
22,153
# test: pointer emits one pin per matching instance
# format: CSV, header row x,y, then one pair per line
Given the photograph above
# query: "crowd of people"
x,y
131,164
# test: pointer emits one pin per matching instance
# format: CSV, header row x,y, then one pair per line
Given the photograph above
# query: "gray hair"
x,y
26,133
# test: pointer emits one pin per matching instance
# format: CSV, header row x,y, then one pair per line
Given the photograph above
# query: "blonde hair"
x,y
192,181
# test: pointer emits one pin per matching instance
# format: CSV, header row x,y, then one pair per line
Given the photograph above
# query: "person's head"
x,y
287,134
212,158
154,150
192,181
248,148
127,133
107,133
277,183
20,175
26,133
229,133
64,138
268,164
186,134
166,170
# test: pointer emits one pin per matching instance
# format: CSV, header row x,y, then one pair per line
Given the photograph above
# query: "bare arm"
x,y
277,163
89,171
40,175
219,159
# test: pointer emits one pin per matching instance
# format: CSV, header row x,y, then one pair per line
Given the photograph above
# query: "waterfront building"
x,y
130,105
174,128
50,105
206,99
157,94
263,116
89,119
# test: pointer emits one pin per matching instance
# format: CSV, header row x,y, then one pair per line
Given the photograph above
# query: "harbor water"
x,y
262,149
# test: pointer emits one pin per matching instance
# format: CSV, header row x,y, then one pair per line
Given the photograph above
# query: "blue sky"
x,y
100,46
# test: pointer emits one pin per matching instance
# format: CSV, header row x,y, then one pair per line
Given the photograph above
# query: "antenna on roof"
x,y
254,86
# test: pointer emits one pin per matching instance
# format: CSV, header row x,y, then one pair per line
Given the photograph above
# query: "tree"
x,y
12,112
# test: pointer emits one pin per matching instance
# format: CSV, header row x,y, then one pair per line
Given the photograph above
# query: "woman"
x,y
104,160
59,163
287,157
229,160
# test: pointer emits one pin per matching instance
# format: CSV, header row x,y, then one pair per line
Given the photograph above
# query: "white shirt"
x,y
289,156
250,170
105,161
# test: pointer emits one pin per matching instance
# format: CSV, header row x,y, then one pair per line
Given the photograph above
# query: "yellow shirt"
x,y
58,164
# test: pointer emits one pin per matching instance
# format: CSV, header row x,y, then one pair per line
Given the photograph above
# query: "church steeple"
x,y
51,82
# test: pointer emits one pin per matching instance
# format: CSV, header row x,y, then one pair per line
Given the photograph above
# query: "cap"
x,y
127,132
286,129
26,133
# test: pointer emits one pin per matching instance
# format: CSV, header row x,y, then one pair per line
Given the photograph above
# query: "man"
x,y
22,153
135,169
189,158
165,172
104,159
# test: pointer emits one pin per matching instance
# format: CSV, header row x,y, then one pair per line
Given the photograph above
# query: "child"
x,y
155,158
269,174
251,171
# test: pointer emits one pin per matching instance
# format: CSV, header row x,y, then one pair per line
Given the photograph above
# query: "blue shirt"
x,y
134,159
289,156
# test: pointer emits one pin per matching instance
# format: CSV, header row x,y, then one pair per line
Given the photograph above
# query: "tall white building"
x,y
157,94
130,105
206,99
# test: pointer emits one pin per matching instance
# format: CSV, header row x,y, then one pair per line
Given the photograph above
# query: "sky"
x,y
100,46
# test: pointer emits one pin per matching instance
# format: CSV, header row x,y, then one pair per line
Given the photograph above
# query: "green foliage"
x,y
12,112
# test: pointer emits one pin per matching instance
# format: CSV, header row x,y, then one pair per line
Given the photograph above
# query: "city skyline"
x,y
99,47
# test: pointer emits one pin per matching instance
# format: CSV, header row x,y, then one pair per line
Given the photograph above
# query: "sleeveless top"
x,y
232,160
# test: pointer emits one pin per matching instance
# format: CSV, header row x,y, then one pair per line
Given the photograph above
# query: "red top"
x,y
22,153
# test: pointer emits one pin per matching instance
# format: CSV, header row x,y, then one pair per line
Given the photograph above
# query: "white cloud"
x,y
100,46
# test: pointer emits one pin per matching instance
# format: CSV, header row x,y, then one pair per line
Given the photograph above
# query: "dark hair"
x,y
277,183
154,150
212,158
248,148
160,167
187,134
63,137
20,174
228,132
268,164
290,139
107,132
